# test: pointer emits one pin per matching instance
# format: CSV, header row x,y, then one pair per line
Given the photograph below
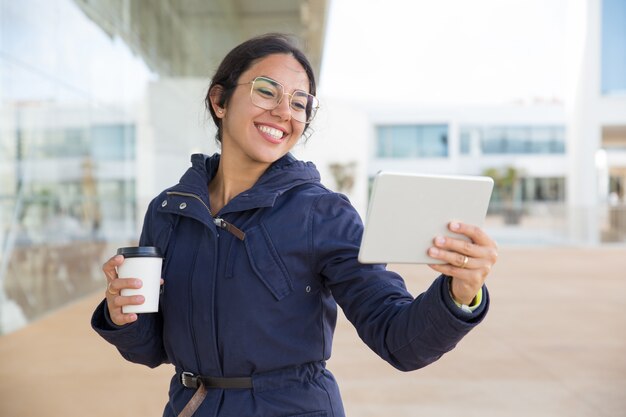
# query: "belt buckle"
x,y
188,380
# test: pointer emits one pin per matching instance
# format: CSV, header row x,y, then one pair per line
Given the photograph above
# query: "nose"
x,y
283,110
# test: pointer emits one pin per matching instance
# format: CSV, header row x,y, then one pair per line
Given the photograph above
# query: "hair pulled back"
x,y
242,57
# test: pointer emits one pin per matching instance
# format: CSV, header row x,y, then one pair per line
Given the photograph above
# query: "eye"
x,y
300,102
266,92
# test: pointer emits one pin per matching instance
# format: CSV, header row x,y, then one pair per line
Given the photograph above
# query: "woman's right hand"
x,y
115,300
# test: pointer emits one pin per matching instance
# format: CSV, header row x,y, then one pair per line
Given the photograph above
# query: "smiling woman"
x,y
258,255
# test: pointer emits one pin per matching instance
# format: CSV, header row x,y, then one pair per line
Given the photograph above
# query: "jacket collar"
x,y
280,177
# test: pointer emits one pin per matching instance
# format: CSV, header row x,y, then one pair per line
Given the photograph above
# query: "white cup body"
x,y
148,270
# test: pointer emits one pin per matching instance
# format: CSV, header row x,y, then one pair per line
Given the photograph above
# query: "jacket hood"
x,y
283,175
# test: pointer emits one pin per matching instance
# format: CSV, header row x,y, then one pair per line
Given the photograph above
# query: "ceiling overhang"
x,y
189,38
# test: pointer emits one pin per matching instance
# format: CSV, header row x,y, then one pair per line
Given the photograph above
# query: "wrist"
x,y
468,305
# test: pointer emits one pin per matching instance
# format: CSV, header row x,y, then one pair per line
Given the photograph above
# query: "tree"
x,y
505,187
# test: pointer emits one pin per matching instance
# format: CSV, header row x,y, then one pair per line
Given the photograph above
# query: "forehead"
x,y
283,68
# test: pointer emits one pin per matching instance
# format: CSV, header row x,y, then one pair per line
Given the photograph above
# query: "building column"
x,y
583,129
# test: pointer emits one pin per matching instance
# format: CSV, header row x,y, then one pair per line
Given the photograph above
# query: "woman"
x,y
258,254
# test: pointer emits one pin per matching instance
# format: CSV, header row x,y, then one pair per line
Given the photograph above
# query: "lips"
x,y
272,133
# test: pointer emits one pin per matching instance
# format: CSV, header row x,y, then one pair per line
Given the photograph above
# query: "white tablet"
x,y
407,211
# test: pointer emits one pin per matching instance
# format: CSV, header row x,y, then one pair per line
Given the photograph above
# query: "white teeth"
x,y
275,133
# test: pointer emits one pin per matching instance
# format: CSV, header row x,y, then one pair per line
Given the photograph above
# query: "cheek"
x,y
297,130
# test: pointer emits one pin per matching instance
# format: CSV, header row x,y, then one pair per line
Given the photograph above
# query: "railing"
x,y
557,223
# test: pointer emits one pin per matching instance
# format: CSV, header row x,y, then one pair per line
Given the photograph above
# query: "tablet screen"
x,y
407,211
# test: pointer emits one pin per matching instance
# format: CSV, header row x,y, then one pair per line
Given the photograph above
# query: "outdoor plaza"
x,y
552,345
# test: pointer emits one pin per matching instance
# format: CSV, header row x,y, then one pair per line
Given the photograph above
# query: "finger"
x,y
117,285
110,289
453,271
455,264
475,233
115,304
121,319
453,258
109,267
120,301
459,246
464,247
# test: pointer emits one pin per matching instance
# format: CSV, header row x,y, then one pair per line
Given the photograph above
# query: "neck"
x,y
232,178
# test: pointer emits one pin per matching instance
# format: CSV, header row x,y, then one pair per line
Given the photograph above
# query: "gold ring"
x,y
109,289
464,264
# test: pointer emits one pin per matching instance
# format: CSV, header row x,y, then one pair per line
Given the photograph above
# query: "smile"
x,y
270,131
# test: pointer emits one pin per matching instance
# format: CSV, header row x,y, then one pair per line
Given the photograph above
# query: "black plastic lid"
x,y
140,252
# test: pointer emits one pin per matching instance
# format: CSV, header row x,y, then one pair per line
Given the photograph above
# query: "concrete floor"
x,y
553,344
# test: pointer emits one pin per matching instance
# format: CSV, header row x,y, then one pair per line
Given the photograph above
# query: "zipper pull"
x,y
223,224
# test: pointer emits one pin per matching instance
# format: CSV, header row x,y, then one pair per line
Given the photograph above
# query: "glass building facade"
x,y
493,140
68,138
405,142
412,141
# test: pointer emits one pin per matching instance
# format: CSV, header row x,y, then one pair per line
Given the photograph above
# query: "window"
x,y
113,142
494,140
412,141
543,189
465,142
613,47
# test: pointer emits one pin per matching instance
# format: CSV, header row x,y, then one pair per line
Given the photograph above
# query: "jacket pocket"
x,y
266,262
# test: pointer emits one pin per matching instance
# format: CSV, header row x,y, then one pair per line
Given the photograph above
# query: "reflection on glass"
x,y
68,99
504,140
412,141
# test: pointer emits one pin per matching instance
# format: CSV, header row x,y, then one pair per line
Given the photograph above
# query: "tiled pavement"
x,y
553,344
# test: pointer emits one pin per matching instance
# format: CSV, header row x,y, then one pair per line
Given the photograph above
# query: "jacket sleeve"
x,y
142,341
407,332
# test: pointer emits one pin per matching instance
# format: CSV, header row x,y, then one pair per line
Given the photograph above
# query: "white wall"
x,y
341,135
172,124
587,112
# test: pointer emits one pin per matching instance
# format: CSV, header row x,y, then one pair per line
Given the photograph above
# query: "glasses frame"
x,y
315,102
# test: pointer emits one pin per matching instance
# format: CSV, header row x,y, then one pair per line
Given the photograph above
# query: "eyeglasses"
x,y
268,94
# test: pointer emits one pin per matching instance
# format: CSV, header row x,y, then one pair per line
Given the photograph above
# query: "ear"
x,y
215,95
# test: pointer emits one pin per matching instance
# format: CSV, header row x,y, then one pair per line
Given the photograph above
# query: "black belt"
x,y
263,382
190,380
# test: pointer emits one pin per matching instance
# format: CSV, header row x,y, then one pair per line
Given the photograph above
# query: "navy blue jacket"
x,y
266,305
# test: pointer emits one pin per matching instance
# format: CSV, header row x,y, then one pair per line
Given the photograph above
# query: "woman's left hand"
x,y
468,263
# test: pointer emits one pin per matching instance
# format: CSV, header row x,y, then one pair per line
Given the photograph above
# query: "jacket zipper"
x,y
218,221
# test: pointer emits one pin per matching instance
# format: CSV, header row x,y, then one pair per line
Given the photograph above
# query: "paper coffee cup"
x,y
144,263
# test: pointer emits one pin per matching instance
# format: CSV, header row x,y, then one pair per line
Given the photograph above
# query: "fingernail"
x,y
454,226
433,251
138,283
440,240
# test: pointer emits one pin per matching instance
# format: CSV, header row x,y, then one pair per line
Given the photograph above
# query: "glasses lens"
x,y
303,106
266,93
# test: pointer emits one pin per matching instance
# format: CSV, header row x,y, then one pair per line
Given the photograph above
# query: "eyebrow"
x,y
278,82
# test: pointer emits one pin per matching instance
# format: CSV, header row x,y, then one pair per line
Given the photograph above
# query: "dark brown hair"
x,y
242,57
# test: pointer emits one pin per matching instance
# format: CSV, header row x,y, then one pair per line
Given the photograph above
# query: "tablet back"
x,y
407,211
